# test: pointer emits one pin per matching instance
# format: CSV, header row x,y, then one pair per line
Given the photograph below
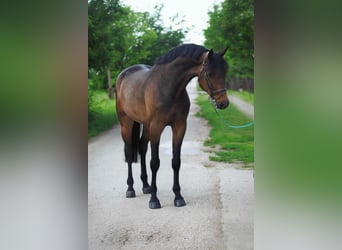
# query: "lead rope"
x,y
226,123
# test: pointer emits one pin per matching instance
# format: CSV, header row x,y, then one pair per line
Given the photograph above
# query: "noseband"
x,y
212,92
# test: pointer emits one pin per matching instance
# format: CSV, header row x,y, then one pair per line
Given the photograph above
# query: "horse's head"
x,y
212,77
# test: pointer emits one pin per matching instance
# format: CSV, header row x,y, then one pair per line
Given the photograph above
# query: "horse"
x,y
149,98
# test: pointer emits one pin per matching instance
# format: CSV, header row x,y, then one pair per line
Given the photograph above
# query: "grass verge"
x,y
244,95
235,145
101,113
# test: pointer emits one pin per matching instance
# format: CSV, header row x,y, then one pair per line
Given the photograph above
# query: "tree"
x,y
232,24
103,30
119,37
151,37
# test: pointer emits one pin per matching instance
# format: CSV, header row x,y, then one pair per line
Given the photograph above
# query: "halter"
x,y
212,92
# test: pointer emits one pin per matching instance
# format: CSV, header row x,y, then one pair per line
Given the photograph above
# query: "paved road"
x,y
220,197
245,107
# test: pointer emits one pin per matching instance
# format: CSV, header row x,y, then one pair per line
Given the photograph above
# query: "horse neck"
x,y
178,74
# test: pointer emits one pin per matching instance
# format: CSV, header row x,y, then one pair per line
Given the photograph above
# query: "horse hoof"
x,y
146,190
154,204
130,194
180,203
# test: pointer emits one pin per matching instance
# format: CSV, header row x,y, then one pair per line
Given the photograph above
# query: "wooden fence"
x,y
241,83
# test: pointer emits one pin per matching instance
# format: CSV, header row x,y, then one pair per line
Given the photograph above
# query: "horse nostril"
x,y
222,105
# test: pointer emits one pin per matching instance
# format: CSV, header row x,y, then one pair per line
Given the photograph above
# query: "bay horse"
x,y
153,97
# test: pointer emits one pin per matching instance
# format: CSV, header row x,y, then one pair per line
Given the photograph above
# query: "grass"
x,y
235,145
244,95
101,114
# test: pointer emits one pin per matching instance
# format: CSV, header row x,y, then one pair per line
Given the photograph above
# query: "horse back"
x,y
129,72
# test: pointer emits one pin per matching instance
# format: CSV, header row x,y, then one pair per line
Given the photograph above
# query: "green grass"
x,y
244,95
101,113
235,145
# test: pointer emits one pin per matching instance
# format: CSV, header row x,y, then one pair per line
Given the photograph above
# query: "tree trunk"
x,y
110,87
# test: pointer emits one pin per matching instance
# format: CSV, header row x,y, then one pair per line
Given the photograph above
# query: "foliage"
x,y
232,24
103,28
236,145
120,37
150,38
90,94
101,113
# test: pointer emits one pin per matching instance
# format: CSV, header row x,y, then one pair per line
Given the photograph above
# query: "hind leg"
x,y
126,133
142,151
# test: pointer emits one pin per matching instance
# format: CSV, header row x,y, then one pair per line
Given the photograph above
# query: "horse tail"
x,y
135,140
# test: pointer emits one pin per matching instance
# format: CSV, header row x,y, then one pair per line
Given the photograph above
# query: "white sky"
x,y
194,13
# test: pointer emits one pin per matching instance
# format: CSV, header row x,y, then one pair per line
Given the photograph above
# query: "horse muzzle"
x,y
222,101
222,105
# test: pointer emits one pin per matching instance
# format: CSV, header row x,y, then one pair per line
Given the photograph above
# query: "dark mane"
x,y
192,51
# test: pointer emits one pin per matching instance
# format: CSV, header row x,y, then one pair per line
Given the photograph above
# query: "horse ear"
x,y
222,52
210,54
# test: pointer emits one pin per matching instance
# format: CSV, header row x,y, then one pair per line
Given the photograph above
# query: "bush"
x,y
101,112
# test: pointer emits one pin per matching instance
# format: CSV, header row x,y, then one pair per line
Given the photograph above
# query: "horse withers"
x,y
153,97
